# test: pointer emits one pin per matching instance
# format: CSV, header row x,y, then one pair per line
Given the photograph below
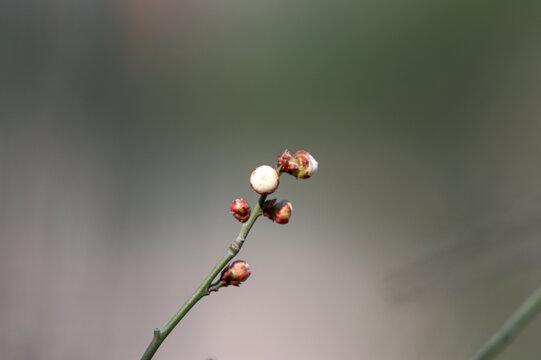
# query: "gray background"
x,y
127,127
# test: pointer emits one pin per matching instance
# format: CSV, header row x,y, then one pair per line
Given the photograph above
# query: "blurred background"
x,y
128,126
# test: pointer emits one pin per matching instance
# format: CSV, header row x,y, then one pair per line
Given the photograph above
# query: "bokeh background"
x,y
128,126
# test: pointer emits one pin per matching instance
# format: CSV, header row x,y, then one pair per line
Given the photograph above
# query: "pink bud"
x,y
283,213
240,210
235,273
301,164
280,212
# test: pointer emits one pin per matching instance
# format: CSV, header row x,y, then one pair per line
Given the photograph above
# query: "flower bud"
x,y
235,273
283,212
264,180
240,210
301,164
277,211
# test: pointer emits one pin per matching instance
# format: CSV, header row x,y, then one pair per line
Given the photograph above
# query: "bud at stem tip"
x,y
301,165
264,180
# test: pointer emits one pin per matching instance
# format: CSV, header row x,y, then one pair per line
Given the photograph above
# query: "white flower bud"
x,y
264,180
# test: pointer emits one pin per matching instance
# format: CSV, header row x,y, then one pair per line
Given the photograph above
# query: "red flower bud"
x,y
283,213
277,211
240,210
301,164
285,162
235,273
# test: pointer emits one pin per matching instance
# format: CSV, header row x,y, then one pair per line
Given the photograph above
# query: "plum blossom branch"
x,y
264,180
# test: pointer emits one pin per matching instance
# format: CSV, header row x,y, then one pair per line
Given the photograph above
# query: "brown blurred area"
x,y
127,127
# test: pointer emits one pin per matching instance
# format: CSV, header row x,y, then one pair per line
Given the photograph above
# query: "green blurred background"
x,y
127,127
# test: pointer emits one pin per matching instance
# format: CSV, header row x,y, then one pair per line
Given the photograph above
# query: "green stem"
x,y
510,328
215,286
232,251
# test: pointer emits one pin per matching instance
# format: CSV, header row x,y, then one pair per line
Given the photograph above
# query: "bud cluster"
x,y
237,272
265,180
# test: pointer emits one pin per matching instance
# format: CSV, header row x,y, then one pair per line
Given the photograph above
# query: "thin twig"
x,y
509,330
234,248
